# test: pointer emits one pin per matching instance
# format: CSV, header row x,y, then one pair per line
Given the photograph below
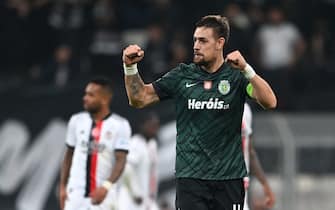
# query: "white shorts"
x,y
76,201
126,202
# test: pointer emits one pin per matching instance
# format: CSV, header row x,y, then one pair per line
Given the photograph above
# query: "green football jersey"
x,y
209,109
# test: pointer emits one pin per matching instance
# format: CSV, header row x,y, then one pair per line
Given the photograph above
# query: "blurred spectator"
x,y
96,30
59,70
239,27
280,47
15,37
139,13
256,16
139,180
178,50
179,53
280,42
106,43
320,58
71,20
319,50
156,53
25,37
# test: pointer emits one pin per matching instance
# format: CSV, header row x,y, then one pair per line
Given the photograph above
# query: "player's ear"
x,y
220,43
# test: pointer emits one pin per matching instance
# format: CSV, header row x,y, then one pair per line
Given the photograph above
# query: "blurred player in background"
x,y
139,181
252,162
97,146
209,97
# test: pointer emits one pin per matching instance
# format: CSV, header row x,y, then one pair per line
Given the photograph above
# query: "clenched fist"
x,y
236,60
132,54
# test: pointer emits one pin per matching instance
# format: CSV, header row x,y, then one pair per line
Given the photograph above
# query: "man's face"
x,y
94,98
151,127
207,47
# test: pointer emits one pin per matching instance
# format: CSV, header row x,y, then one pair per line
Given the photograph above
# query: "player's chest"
x,y
216,93
93,138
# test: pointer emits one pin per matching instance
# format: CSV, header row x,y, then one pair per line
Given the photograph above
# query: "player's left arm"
x,y
260,89
99,194
120,163
121,147
257,170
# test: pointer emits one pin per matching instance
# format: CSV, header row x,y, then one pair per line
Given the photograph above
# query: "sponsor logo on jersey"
x,y
224,87
92,147
212,103
207,85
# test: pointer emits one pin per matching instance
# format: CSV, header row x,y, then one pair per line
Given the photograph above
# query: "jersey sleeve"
x,y
71,133
135,152
123,138
165,86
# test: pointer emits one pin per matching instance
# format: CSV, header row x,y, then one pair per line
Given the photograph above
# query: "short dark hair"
x,y
105,82
219,23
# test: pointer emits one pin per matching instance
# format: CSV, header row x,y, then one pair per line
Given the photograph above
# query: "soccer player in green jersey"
x,y
209,96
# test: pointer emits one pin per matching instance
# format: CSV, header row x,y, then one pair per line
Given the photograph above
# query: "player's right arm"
x,y
139,94
65,171
67,162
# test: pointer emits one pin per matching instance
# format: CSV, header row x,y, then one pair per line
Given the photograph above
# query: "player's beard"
x,y
92,109
200,61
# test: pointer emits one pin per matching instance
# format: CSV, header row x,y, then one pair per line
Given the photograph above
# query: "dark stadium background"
x,y
90,35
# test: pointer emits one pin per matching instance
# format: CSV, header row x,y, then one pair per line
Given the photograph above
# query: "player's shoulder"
x,y
116,118
118,123
80,116
183,67
138,140
152,143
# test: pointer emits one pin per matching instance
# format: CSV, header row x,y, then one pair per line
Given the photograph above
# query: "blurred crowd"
x,y
60,42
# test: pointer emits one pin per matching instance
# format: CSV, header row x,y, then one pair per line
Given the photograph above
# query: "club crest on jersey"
x,y
207,85
108,135
224,87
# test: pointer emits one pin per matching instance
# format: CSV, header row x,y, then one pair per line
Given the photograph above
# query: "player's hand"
x,y
62,196
269,197
132,54
138,200
98,195
236,60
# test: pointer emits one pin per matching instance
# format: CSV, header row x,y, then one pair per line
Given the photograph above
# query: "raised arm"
x,y
262,91
139,94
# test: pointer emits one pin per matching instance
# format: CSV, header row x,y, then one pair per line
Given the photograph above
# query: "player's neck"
x,y
101,115
214,66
